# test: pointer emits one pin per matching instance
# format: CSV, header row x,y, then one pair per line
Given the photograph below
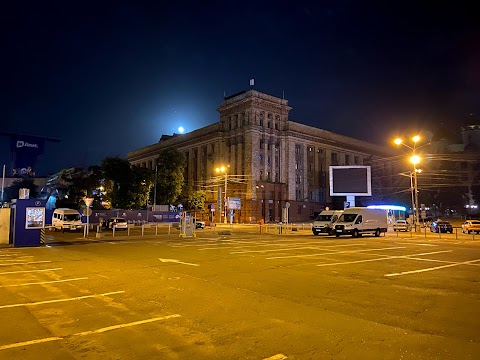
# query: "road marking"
x,y
326,248
276,357
26,263
31,342
61,300
336,252
414,243
386,258
45,282
84,333
433,268
114,327
177,262
28,271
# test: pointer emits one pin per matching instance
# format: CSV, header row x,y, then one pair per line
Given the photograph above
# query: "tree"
x,y
12,192
171,165
193,200
119,178
141,186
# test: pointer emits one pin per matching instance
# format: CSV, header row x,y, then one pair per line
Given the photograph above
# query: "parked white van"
x,y
324,222
66,219
356,221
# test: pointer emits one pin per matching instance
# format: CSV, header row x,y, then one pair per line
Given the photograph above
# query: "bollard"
x,y
143,228
169,227
84,231
113,230
128,230
156,229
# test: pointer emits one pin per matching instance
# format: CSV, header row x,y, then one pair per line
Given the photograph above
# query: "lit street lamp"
x,y
414,159
223,169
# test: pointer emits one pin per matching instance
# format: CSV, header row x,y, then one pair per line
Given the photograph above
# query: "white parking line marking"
x,y
276,357
84,333
414,243
45,282
61,300
386,258
176,262
114,327
28,271
326,248
336,252
26,263
431,269
31,342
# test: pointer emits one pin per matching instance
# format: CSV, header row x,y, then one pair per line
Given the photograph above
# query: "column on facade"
x,y
304,172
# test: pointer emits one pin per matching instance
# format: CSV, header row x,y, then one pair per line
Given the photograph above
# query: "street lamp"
x,y
223,169
414,159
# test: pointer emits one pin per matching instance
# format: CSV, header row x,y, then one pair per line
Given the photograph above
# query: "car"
x,y
402,225
199,224
471,226
441,226
120,223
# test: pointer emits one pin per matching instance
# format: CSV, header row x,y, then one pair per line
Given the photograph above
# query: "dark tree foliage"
x,y
12,191
171,165
193,200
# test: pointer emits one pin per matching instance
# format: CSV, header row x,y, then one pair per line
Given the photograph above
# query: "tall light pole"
x,y
223,169
414,159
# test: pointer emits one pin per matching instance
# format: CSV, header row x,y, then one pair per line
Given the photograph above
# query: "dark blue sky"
x,y
109,77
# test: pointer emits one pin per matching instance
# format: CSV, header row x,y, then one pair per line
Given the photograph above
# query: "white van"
x,y
356,221
66,219
323,223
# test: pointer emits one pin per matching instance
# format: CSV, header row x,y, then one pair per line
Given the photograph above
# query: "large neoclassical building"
x,y
270,160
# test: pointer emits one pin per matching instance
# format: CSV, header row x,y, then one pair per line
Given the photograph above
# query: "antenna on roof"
x,y
252,83
283,94
224,94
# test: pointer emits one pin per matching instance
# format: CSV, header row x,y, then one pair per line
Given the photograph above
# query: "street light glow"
x,y
398,141
416,138
415,159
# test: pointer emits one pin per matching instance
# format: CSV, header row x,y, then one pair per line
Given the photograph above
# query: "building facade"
x,y
271,162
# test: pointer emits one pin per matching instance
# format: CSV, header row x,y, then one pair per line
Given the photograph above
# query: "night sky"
x,y
108,77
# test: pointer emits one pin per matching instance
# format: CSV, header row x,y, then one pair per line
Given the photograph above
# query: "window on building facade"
x,y
277,177
356,160
261,175
298,149
299,210
268,160
276,126
347,159
261,122
268,124
334,156
277,147
261,144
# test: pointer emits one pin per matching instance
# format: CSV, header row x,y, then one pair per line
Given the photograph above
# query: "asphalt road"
x,y
241,295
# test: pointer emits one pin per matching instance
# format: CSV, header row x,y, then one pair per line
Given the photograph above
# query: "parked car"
x,y
441,226
471,226
402,225
120,223
199,224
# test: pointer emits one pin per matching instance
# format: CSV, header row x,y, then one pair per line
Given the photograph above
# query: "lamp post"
x,y
414,159
223,169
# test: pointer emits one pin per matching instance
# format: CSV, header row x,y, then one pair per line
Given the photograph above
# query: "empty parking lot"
x,y
244,295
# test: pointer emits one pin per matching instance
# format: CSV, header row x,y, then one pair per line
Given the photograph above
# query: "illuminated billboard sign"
x,y
350,180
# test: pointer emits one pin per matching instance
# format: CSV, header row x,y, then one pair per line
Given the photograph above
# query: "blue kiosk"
x,y
27,221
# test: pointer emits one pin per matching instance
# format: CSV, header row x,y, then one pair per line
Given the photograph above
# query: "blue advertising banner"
x,y
136,217
25,151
